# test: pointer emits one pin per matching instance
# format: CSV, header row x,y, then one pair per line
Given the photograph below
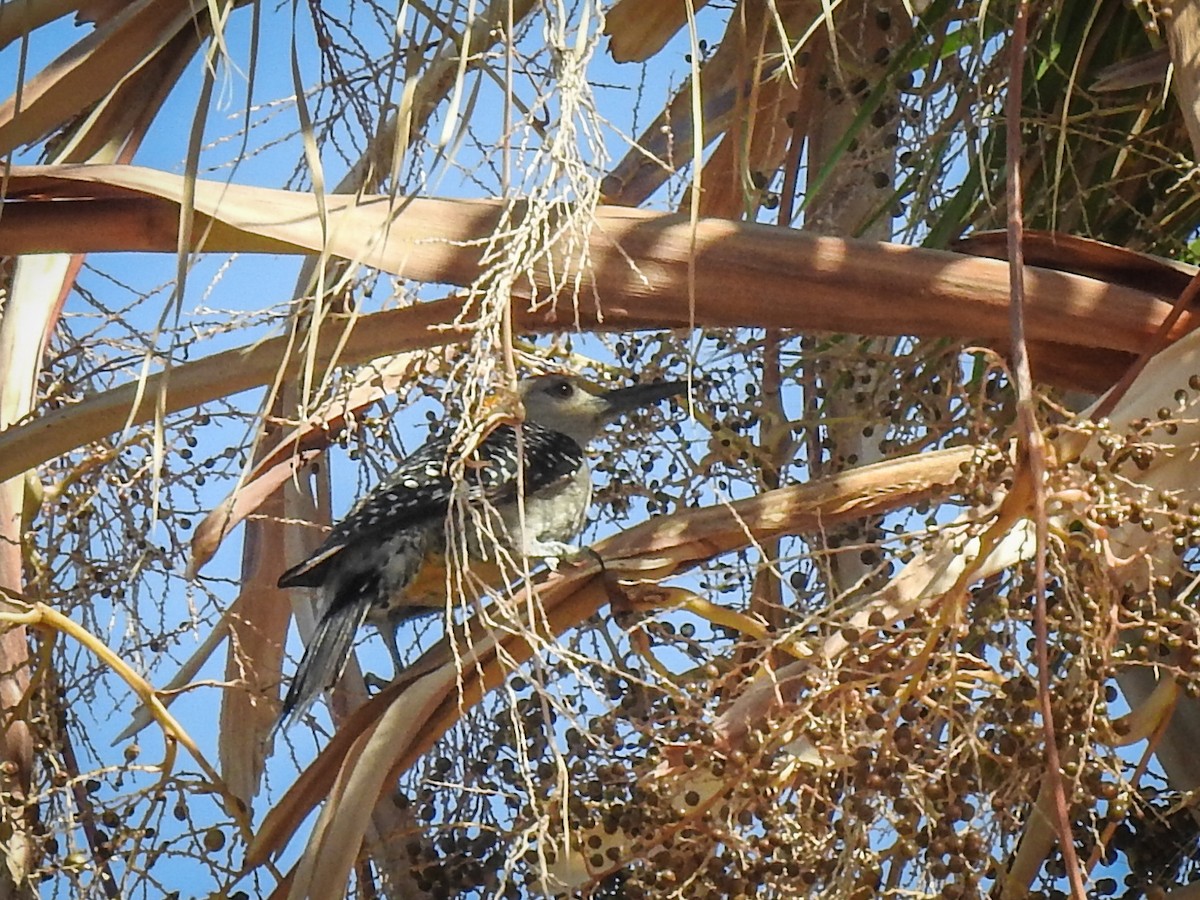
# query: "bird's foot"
x,y
555,553
375,683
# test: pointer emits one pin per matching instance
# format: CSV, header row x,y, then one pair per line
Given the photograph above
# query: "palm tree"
x,y
878,614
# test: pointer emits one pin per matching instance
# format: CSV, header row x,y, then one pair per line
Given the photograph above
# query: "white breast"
x,y
555,513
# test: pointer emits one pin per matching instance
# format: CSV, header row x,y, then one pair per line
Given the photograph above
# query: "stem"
x,y
1030,436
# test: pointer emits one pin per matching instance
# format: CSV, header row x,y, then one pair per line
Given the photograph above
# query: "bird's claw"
x,y
375,683
556,553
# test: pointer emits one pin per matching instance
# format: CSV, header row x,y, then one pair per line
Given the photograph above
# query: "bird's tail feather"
x,y
325,656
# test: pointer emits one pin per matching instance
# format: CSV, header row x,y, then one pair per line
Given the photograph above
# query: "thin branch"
x,y
1030,436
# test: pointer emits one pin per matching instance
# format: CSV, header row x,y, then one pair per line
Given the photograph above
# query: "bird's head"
x,y
579,409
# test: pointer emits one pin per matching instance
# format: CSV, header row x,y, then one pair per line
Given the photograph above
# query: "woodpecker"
x,y
387,559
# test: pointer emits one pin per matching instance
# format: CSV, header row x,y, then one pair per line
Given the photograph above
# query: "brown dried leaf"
x,y
1181,21
668,143
1087,257
31,312
93,67
257,631
740,157
640,28
96,11
22,17
266,481
333,847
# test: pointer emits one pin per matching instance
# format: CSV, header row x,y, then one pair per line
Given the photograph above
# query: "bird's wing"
x,y
547,456
420,489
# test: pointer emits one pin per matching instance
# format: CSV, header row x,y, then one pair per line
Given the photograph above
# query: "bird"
x,y
386,560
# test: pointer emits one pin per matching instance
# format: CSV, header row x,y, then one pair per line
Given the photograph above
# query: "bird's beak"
x,y
640,395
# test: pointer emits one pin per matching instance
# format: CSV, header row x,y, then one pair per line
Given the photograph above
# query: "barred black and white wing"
x,y
420,490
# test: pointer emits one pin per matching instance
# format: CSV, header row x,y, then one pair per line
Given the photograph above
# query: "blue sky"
x,y
218,292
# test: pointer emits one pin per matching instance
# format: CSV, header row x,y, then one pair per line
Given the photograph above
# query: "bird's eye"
x,y
563,389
